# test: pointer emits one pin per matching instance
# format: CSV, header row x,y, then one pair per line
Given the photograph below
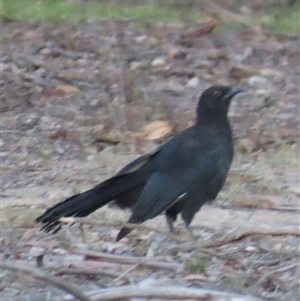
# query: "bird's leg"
x,y
171,216
170,222
83,234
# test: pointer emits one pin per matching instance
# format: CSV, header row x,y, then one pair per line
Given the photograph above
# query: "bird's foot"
x,y
191,234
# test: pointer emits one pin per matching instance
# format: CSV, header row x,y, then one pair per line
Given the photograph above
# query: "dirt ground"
x,y
74,105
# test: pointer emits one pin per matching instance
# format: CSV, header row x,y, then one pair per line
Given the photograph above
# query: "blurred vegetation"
x,y
281,16
58,11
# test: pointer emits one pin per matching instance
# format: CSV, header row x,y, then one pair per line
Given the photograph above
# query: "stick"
x,y
88,221
124,274
130,260
237,234
79,271
268,274
38,274
165,293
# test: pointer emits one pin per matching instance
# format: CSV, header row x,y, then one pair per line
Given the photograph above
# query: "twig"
x,y
87,272
238,234
38,274
130,260
165,293
234,235
124,274
88,221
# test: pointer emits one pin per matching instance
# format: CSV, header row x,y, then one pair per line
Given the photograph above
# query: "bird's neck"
x,y
213,119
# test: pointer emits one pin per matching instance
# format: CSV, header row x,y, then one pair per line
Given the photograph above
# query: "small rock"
x,y
69,258
152,41
258,82
193,82
138,65
268,72
59,149
158,62
251,249
98,131
239,72
140,39
206,64
216,54
208,77
263,93
81,62
95,102
246,144
36,251
46,52
176,53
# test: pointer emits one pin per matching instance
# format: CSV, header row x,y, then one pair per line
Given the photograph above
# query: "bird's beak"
x,y
234,90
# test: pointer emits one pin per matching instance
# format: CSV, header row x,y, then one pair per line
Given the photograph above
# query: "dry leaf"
x,y
201,30
67,89
52,92
112,136
98,131
157,129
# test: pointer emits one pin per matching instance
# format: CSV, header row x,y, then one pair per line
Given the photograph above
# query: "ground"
x,y
75,105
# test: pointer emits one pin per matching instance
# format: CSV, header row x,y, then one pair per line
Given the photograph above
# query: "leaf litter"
x,y
79,102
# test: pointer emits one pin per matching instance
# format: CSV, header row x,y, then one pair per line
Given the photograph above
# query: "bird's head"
x,y
216,100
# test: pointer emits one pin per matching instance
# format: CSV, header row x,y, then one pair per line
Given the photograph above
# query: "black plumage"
x,y
178,177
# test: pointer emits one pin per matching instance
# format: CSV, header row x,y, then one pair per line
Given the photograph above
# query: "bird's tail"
x,y
83,204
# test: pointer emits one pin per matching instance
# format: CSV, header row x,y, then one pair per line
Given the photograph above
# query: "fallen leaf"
x,y
201,30
113,137
17,255
216,54
59,133
97,131
67,89
51,92
157,129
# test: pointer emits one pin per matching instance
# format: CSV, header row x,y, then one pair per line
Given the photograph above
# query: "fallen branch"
x,y
165,293
88,221
237,234
130,260
38,274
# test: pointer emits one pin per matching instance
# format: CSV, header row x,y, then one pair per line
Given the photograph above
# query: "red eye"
x,y
217,93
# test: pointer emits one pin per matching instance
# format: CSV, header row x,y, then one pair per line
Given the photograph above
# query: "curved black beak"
x,y
235,90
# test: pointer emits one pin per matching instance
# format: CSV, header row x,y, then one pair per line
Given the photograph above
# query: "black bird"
x,y
178,177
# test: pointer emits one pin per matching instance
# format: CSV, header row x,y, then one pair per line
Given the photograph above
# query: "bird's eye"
x,y
217,93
